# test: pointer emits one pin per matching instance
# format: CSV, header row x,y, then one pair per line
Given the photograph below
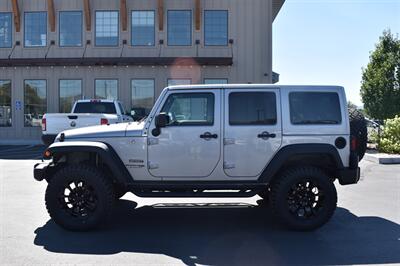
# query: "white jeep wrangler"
x,y
288,144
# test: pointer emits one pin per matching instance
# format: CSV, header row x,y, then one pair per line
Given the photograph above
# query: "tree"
x,y
380,85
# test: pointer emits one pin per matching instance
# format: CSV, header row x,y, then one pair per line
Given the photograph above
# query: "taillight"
x,y
354,143
44,124
103,121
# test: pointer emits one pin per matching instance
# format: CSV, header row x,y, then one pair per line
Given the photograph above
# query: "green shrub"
x,y
390,139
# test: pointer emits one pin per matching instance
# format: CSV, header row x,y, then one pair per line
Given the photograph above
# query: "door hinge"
x,y
229,165
152,165
152,141
229,141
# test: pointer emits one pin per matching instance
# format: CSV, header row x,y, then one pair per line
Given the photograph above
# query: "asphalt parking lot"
x,y
364,230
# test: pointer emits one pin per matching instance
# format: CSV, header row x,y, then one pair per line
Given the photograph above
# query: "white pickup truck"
x,y
84,113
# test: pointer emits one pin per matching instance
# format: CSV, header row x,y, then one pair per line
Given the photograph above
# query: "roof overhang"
x,y
276,7
117,61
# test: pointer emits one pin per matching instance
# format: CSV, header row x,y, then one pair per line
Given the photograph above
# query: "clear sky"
x,y
328,41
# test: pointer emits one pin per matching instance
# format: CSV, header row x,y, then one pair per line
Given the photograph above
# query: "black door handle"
x,y
266,135
208,135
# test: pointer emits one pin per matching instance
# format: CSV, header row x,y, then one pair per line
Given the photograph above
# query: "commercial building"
x,y
53,52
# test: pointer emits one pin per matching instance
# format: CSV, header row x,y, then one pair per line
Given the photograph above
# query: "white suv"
x,y
287,144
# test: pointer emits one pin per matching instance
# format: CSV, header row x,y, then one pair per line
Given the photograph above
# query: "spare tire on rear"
x,y
358,130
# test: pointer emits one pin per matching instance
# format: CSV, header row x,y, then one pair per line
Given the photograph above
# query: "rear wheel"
x,y
79,197
303,198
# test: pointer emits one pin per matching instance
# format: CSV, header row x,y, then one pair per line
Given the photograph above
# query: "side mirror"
x,y
133,112
162,120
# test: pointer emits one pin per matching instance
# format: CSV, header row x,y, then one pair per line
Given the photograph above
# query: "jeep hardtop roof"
x,y
253,86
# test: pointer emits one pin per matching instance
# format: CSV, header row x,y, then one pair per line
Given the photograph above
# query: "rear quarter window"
x,y
95,108
315,108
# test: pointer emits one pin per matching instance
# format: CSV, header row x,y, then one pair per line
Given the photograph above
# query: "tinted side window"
x,y
190,109
252,108
314,108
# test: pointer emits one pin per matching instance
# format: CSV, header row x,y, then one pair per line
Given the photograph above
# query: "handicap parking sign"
x,y
18,105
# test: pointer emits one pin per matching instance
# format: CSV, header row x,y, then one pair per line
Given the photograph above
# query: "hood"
x,y
103,131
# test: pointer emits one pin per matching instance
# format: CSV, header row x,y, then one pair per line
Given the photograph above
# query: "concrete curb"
x,y
383,158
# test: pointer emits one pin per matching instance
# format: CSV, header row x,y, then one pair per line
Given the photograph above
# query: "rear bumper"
x,y
48,139
39,171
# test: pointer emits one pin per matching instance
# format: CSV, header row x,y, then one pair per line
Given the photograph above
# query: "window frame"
x,y
24,102
227,28
204,81
117,99
47,30
59,92
192,124
154,90
59,28
258,124
11,103
191,28
314,124
169,79
154,27
95,28
11,29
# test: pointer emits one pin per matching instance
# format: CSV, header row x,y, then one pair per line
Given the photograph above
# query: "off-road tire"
x,y
95,188
282,195
358,129
119,192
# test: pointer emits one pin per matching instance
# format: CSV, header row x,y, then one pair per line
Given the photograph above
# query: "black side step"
x,y
196,189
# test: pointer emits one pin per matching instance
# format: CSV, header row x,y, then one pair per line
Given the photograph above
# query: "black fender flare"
x,y
104,151
284,154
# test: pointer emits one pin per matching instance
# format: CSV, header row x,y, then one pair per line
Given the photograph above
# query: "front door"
x,y
252,130
189,146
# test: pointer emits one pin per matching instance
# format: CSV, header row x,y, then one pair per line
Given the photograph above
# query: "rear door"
x,y
252,130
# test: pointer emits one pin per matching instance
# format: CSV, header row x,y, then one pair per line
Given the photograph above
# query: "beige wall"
x,y
250,26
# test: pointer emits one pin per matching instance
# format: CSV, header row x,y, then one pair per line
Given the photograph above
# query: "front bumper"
x,y
39,170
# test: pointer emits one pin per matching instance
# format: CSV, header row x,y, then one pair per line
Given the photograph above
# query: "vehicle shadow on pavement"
x,y
219,234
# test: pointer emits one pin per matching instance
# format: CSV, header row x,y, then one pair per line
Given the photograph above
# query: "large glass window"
x,y
173,82
106,89
216,27
5,103
314,108
5,30
70,92
71,28
215,81
252,108
35,28
190,109
143,31
179,27
35,102
142,97
107,31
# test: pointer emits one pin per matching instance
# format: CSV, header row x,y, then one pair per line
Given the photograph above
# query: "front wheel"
x,y
79,197
303,198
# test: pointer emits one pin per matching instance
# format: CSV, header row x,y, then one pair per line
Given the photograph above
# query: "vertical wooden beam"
x,y
124,15
88,19
52,15
160,15
17,17
198,14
